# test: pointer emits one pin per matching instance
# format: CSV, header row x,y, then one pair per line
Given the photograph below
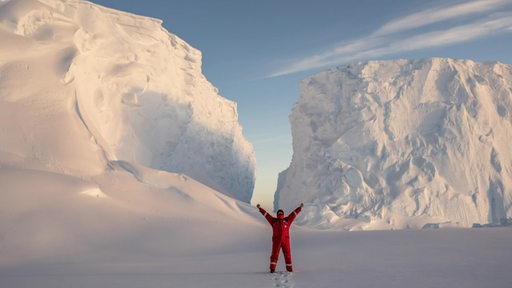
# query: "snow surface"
x,y
95,85
88,112
402,143
150,228
133,226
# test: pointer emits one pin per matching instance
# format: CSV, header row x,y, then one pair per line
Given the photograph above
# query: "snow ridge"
x,y
396,144
130,90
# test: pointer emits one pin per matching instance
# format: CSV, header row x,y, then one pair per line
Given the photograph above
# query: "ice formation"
x,y
402,143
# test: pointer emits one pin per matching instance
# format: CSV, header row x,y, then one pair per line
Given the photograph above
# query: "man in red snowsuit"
x,y
281,236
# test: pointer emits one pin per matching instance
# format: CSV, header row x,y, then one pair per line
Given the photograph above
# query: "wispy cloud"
x,y
395,36
440,14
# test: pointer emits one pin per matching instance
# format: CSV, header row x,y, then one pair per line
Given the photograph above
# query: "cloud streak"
x,y
440,14
400,36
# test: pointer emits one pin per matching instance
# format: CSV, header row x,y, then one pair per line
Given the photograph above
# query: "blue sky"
x,y
257,52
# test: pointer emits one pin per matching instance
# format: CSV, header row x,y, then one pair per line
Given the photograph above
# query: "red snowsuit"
x,y
281,237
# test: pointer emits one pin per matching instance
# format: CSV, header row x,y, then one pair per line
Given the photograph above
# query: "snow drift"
x,y
401,144
82,85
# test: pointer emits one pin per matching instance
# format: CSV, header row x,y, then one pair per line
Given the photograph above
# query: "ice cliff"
x,y
83,86
397,144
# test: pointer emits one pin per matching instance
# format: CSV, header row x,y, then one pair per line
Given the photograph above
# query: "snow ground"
x,y
366,259
133,226
433,258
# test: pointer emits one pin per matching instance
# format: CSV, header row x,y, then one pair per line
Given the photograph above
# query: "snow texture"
x,y
404,143
87,108
95,85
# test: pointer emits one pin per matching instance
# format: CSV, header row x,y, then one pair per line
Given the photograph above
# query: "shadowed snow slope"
x,y
124,213
395,144
95,85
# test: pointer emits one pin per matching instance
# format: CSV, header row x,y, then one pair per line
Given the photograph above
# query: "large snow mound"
x,y
82,85
123,214
396,144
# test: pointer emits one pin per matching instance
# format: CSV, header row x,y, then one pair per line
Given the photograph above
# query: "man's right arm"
x,y
267,216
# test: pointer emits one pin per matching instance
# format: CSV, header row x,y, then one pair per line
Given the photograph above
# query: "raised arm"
x,y
269,217
294,213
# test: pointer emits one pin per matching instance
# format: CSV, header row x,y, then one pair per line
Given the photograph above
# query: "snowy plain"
x,y
433,258
80,209
140,227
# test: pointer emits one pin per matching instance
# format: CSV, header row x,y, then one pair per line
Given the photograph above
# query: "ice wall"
x,y
396,144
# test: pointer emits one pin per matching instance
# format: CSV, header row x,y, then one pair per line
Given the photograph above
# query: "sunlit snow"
x,y
403,143
120,166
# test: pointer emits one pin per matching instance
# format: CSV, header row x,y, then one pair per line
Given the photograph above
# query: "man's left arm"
x,y
294,214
